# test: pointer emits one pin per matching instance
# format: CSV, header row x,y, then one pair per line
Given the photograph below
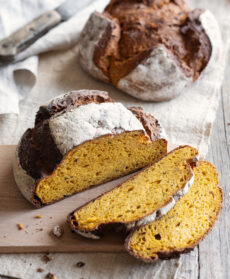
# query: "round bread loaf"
x,y
151,50
82,139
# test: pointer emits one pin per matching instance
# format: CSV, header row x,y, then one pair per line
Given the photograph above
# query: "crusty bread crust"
x,y
37,154
97,28
157,78
157,73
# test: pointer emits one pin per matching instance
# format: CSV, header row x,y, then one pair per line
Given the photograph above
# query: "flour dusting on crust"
x,y
91,121
90,36
156,78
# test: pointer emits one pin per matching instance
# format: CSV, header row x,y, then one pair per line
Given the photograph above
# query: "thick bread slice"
x,y
183,226
142,198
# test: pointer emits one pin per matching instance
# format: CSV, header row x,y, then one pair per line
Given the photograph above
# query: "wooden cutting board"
x,y
37,235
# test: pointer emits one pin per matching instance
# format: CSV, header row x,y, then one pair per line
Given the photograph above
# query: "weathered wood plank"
x,y
214,251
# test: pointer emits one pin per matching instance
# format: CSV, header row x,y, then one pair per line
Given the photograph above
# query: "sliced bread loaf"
x,y
183,226
80,140
139,200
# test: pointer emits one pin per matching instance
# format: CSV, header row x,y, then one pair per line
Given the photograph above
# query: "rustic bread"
x,y
151,50
82,139
184,225
139,200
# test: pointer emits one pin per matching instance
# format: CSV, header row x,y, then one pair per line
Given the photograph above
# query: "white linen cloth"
x,y
187,119
16,80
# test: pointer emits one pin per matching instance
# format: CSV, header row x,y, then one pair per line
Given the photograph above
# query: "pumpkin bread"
x,y
140,199
183,226
82,139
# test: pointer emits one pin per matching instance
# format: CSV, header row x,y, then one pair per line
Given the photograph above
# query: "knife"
x,y
29,33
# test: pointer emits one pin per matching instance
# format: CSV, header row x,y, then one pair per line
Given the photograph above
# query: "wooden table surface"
x,y
212,258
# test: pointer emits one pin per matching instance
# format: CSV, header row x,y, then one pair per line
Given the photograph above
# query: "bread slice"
x,y
183,226
139,200
83,139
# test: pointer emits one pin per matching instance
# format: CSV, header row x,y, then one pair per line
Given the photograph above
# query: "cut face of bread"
x,y
183,226
96,162
142,198
80,140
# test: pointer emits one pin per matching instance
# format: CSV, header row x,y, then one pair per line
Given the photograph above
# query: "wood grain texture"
x,y
211,259
214,251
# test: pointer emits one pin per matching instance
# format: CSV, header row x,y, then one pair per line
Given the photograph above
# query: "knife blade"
x,y
32,31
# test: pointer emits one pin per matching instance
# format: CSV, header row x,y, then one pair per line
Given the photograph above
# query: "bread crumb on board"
x,y
39,216
58,231
40,269
20,226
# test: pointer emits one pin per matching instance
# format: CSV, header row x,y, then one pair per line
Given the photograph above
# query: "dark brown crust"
x,y
98,230
177,252
36,201
28,155
196,42
145,25
49,155
37,152
107,45
150,123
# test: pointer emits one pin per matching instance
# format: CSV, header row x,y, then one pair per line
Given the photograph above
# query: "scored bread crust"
x,y
155,74
166,79
96,232
166,255
38,155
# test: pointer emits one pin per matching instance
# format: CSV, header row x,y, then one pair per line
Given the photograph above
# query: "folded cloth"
x,y
16,80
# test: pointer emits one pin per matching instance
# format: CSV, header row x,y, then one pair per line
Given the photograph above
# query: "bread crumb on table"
x,y
39,216
20,226
40,269
46,258
80,264
58,231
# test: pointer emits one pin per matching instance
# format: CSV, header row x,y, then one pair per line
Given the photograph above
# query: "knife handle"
x,y
25,36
